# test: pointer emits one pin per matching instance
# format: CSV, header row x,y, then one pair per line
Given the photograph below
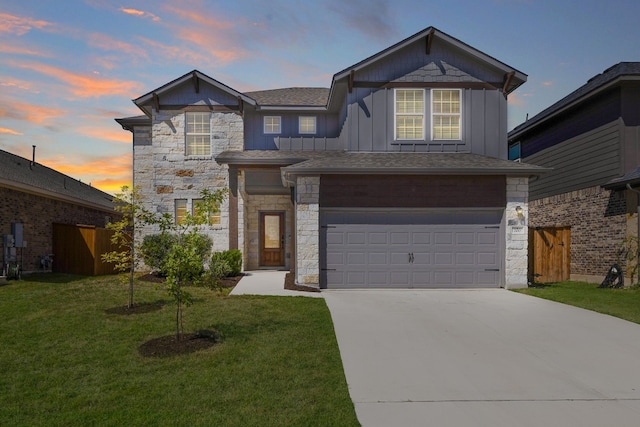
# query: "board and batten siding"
x,y
586,160
256,139
370,124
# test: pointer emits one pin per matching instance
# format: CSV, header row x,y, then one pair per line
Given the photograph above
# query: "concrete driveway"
x,y
484,358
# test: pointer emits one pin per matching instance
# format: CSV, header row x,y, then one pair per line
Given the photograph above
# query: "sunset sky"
x,y
69,67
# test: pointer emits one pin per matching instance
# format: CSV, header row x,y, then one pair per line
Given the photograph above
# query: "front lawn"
x,y
622,303
65,360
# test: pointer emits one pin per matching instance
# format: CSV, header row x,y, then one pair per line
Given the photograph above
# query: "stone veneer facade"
x,y
599,223
308,231
164,173
517,236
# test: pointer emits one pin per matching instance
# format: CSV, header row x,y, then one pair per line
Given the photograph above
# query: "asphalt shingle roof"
x,y
16,171
609,75
293,96
378,162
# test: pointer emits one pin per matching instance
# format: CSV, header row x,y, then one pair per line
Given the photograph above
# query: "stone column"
x,y
307,231
517,233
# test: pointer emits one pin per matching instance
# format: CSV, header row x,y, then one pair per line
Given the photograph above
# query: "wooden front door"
x,y
549,254
271,239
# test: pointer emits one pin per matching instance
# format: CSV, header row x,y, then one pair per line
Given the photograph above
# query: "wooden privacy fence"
x,y
549,254
78,249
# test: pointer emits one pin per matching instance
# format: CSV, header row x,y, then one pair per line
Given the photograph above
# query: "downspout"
x,y
638,231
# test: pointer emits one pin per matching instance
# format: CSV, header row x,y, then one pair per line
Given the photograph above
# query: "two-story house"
x,y
582,210
395,176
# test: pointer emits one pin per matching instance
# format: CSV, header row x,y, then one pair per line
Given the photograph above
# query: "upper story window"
x,y
180,212
514,151
445,114
409,114
272,124
307,124
198,132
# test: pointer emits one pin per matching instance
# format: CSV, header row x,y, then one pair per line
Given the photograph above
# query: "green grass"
x,y
65,361
622,303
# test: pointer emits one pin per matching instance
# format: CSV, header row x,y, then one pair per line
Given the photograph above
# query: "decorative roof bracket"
x,y
430,38
196,82
352,74
507,82
156,101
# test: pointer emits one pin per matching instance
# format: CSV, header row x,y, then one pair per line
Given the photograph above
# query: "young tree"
x,y
186,254
128,204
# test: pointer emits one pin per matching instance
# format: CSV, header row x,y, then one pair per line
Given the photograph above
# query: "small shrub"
x,y
155,249
232,258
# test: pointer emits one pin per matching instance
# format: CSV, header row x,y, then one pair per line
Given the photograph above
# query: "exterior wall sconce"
x,y
520,213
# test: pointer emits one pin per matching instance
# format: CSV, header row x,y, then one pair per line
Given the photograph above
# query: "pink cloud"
x,y
106,173
18,50
547,83
140,13
35,114
10,131
115,134
85,86
20,25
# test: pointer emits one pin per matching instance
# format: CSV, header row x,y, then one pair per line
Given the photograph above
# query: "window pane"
x,y
446,114
180,210
272,124
198,130
409,114
214,217
272,232
307,124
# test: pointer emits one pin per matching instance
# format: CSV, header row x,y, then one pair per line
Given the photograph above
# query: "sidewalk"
x,y
268,282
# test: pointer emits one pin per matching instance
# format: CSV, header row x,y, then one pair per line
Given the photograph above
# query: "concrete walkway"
x,y
267,282
484,358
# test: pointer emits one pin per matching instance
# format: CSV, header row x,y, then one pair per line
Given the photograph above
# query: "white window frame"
x,y
201,133
269,124
308,128
435,114
397,114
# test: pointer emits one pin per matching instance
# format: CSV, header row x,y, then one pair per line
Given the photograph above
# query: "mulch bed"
x,y
169,346
136,308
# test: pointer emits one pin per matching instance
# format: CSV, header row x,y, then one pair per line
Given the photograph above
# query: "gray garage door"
x,y
412,255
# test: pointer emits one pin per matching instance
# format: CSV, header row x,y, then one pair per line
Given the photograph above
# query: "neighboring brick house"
x,y
591,141
395,176
35,197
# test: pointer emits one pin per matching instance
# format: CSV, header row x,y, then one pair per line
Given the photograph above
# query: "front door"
x,y
271,239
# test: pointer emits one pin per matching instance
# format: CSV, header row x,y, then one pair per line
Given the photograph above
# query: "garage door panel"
x,y
356,238
443,258
400,238
400,278
376,238
487,258
466,238
412,256
487,238
465,258
378,258
421,238
443,238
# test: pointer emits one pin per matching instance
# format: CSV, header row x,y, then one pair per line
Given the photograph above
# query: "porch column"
x,y
307,231
517,232
233,207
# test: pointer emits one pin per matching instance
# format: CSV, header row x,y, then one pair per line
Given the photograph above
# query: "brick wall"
x,y
37,214
598,222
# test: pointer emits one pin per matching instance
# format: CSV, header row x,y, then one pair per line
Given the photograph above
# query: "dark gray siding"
x,y
256,139
586,160
208,95
370,124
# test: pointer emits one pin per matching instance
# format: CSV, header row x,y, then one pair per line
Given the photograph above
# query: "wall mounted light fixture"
x,y
520,213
